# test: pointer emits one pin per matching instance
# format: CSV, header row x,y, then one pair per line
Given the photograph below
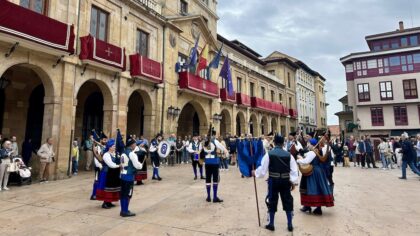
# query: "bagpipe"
x,y
250,154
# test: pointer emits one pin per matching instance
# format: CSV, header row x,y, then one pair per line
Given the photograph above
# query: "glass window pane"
x,y
412,83
394,45
403,60
93,22
102,26
394,61
389,94
386,70
410,67
386,62
409,59
382,85
366,87
39,6
385,46
24,3
404,68
404,42
388,86
414,40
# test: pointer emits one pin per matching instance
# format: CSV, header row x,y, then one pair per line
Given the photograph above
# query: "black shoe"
x,y
217,200
105,206
270,227
140,183
127,214
195,178
110,204
159,178
306,209
318,211
402,177
202,177
154,178
208,199
290,228
93,198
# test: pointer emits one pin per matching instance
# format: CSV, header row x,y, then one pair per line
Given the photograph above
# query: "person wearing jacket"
x,y
46,154
408,152
5,159
369,152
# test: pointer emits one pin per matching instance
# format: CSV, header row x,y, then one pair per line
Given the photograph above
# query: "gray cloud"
x,y
316,32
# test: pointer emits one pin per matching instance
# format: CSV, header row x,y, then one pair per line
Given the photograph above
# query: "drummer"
x,y
194,149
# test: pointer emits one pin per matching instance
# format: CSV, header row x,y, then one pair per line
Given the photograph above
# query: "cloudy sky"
x,y
316,32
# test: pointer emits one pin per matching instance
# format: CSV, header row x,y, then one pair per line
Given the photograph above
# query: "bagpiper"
x,y
155,156
142,156
283,177
194,149
98,152
129,164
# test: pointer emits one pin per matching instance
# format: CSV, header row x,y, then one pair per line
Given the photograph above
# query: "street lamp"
x,y
217,117
4,83
177,111
171,110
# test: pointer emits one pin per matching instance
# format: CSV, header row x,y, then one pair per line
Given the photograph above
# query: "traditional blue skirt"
x,y
315,190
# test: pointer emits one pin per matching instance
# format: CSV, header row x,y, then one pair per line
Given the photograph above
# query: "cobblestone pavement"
x,y
368,202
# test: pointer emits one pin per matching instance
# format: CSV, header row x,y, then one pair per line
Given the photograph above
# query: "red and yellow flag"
x,y
202,62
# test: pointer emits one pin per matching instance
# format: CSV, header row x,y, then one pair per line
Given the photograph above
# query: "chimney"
x,y
401,23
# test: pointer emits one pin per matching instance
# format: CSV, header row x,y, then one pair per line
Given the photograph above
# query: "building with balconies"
x,y
382,83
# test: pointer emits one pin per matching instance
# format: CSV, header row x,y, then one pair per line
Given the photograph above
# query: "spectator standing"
x,y
383,150
369,152
15,148
89,152
46,154
5,158
75,158
397,151
408,152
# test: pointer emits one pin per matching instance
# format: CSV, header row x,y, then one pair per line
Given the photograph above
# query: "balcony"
x,y
243,99
32,30
150,5
145,68
293,113
266,105
224,96
102,54
198,85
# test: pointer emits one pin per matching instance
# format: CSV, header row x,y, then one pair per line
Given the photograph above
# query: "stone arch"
x,y
264,125
140,114
225,123
253,125
192,119
240,123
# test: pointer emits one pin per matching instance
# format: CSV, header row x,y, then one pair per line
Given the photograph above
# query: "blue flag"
x,y
216,60
226,75
250,154
194,54
119,143
95,136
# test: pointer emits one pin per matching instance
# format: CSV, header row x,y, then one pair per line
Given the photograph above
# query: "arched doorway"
x,y
225,123
192,120
22,104
240,124
139,115
274,125
252,124
264,125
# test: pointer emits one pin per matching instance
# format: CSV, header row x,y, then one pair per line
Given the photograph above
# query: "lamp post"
x,y
173,112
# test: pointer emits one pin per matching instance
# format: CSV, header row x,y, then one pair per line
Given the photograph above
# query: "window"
x,y
386,90
262,92
205,2
400,115
414,40
251,89
404,42
280,97
239,85
142,43
410,88
361,68
288,80
416,58
99,23
363,91
290,102
377,116
407,63
39,6
184,7
385,45
394,44
383,66
272,96
394,61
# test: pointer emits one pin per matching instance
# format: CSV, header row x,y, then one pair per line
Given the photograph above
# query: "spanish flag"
x,y
202,62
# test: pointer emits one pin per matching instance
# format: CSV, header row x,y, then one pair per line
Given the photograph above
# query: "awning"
x,y
410,132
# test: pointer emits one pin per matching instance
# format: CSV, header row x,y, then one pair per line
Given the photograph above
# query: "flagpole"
x,y
255,187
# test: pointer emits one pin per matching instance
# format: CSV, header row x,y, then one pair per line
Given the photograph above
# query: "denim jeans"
x,y
412,166
75,166
185,155
383,159
352,156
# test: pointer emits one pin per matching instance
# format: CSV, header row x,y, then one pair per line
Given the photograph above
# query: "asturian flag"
x,y
250,154
193,54
227,75
214,63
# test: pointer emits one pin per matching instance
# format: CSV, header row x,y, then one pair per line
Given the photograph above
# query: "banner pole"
x,y
255,185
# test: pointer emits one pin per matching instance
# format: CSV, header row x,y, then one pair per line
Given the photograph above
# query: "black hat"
x,y
103,135
130,142
278,139
270,134
292,133
213,132
311,134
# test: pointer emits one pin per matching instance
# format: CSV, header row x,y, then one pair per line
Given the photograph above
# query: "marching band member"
x,y
98,151
129,164
194,149
109,185
142,156
315,190
212,163
155,156
283,177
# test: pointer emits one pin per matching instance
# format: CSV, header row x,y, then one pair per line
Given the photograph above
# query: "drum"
x,y
164,149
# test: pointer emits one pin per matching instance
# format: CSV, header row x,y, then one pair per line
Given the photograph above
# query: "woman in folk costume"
x,y
109,184
315,190
155,156
129,164
141,155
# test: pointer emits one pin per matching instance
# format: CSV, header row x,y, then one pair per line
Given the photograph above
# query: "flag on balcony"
x,y
202,61
193,54
214,63
226,75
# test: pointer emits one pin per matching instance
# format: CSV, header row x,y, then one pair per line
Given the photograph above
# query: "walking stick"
x,y
255,187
